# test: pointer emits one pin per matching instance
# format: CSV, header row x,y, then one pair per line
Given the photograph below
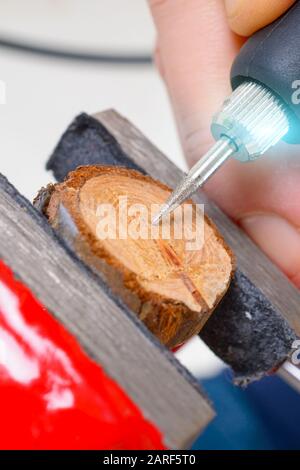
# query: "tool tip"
x,y
156,219
163,211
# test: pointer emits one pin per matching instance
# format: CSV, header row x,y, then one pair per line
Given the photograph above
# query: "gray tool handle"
x,y
272,57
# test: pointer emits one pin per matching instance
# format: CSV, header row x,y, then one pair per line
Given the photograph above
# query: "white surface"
x,y
111,24
199,359
43,95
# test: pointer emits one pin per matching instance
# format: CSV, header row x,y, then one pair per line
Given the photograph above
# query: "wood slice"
x,y
171,288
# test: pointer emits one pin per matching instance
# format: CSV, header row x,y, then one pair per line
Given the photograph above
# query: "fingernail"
x,y
277,237
232,7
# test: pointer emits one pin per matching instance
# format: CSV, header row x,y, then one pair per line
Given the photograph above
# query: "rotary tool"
x,y
262,109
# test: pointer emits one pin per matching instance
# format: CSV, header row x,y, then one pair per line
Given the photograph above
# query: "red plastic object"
x,y
52,395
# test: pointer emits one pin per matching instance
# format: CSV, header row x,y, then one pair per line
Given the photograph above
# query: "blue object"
x,y
264,416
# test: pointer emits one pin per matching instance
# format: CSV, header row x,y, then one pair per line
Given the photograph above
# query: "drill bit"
x,y
252,120
197,176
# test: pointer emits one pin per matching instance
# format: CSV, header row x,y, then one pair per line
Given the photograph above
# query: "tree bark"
x,y
172,288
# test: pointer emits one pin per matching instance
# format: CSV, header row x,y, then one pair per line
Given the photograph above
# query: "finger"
x,y
263,198
246,17
195,51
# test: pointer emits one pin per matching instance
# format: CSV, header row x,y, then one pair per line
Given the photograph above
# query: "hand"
x,y
197,41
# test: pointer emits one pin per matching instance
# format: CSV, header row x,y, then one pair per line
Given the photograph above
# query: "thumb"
x,y
195,49
246,17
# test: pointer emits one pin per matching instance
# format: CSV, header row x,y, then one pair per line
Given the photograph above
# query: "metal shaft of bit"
x,y
251,121
197,176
